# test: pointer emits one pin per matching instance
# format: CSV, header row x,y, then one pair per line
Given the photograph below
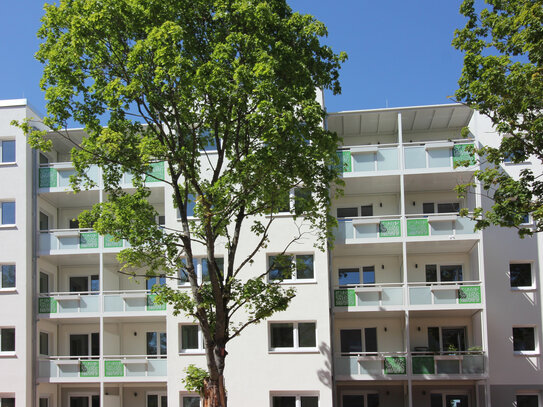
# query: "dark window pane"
x,y
189,337
520,274
309,401
280,267
79,345
451,207
351,340
191,401
8,151
349,276
431,273
79,284
8,213
373,400
451,273
205,267
8,275
95,344
44,402
307,335
453,339
456,401
368,275
436,400
95,401
428,207
152,400
74,223
366,210
304,266
302,200
44,343
191,205
353,400
370,339
7,340
433,339
43,159
527,400
347,212
523,339
282,335
44,282
44,221
95,283
284,204
79,401
163,343
151,343
161,220
284,401
183,275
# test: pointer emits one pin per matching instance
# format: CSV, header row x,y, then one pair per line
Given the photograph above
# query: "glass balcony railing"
x,y
448,363
371,158
371,364
68,241
443,293
371,227
83,368
439,224
377,295
58,175
130,301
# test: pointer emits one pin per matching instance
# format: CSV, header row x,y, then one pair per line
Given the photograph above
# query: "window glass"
x,y
183,275
302,200
79,345
433,339
373,400
304,266
451,207
191,401
280,267
163,343
8,213
8,275
351,340
95,401
191,204
44,343
44,221
370,339
43,159
520,274
453,339
347,212
366,210
368,275
152,348
7,402
44,402
282,335
95,344
451,273
79,284
436,400
527,400
7,340
205,267
284,401
523,339
74,224
309,401
189,336
306,335
349,276
353,400
95,283
428,207
431,273
8,151
152,400
44,282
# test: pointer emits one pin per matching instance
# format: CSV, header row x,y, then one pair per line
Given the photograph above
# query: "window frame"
x,y
159,354
2,141
200,350
8,225
533,352
7,396
438,273
159,395
8,352
89,336
528,393
199,271
294,277
183,396
360,275
8,288
363,393
297,395
48,343
363,340
296,348
533,275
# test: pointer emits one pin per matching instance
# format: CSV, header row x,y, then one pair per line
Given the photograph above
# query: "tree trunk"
x,y
214,393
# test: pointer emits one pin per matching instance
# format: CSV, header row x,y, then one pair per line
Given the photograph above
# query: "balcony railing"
x,y
68,241
81,303
375,295
439,224
443,293
74,368
370,227
370,158
387,364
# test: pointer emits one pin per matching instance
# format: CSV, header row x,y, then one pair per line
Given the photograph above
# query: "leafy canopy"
x,y
502,78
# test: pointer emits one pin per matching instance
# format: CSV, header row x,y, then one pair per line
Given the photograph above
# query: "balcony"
x,y
126,368
370,228
455,294
362,297
369,159
436,155
70,241
85,304
424,365
439,226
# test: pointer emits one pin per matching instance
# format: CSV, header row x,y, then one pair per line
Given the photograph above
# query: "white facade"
x,y
410,308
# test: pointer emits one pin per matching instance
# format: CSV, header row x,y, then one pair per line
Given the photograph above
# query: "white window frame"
x,y
160,394
183,395
296,348
199,271
296,394
6,163
534,352
5,289
8,225
533,275
294,278
200,350
158,355
358,393
89,339
362,337
528,393
8,352
438,272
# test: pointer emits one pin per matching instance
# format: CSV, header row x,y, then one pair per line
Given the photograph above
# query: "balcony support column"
x,y
408,360
101,282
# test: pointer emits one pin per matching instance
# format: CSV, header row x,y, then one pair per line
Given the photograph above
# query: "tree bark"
x,y
214,393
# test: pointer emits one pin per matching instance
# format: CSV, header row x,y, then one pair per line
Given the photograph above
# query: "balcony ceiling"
x,y
445,181
372,185
64,141
444,246
385,121
368,249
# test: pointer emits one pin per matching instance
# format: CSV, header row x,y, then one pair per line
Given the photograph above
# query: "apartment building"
x,y
411,307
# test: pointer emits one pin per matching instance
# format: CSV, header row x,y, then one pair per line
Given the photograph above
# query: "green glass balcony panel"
x,y
473,364
367,299
445,296
442,228
439,158
364,162
48,242
344,298
448,366
90,303
371,367
111,242
415,157
390,228
135,304
366,231
113,368
420,295
152,305
68,242
423,365
417,227
461,155
344,161
69,370
387,159
47,305
395,365
89,368
48,178
465,226
68,306
135,369
88,240
392,296
113,303
64,177
469,295
157,172
157,367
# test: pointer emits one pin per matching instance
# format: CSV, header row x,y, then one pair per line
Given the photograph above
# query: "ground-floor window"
x,y
190,401
85,401
295,401
7,402
527,400
44,402
448,400
157,400
360,400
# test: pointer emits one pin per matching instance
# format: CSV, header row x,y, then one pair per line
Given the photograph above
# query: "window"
x,y
302,200
44,282
527,400
44,159
428,207
80,344
191,339
74,224
292,335
202,270
347,212
83,283
520,274
157,344
7,339
368,274
446,339
524,339
295,401
8,276
446,273
7,402
155,280
44,402
449,207
205,268
157,400
7,210
44,221
85,401
352,275
44,343
366,210
351,340
8,151
190,401
357,400
291,267
446,400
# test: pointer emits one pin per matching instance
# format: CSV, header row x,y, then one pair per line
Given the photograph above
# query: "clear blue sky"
x,y
399,51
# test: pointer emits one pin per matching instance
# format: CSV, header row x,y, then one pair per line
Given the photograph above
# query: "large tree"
x,y
159,81
502,78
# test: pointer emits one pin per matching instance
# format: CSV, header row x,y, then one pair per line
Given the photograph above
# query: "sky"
x,y
400,52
